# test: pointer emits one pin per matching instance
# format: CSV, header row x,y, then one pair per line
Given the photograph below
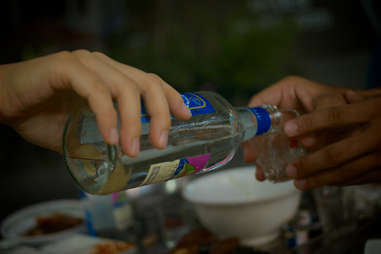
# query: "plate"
x,y
14,226
81,244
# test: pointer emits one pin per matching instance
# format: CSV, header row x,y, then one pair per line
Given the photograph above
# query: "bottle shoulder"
x,y
216,100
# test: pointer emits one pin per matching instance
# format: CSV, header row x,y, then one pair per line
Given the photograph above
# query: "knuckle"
x,y
128,88
81,52
99,54
99,88
292,80
119,83
334,115
154,76
331,157
161,113
151,87
304,123
162,117
127,92
65,56
153,80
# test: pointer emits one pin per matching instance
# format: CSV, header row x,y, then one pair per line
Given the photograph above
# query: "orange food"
x,y
112,247
52,224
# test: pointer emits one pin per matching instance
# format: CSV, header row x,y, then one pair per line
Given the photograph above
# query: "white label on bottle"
x,y
161,172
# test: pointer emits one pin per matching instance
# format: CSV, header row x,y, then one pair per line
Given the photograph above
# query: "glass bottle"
x,y
206,142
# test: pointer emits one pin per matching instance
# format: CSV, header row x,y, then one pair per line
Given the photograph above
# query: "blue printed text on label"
x,y
196,103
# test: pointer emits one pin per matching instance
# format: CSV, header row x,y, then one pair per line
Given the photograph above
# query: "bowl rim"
x,y
290,192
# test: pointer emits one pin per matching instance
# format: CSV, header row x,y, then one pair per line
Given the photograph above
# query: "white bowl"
x,y
232,203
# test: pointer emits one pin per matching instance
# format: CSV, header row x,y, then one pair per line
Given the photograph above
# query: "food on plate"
x,y
52,224
113,247
225,246
197,236
201,241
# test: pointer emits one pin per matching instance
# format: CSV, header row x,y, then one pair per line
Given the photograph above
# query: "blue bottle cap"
x,y
263,119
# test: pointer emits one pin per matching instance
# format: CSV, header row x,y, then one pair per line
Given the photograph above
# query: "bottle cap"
x,y
263,119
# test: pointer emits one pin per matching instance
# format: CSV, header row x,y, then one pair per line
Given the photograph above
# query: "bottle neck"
x,y
256,121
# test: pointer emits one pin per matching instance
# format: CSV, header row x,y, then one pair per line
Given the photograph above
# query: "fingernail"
x,y
187,110
114,136
163,139
135,146
291,128
292,171
300,184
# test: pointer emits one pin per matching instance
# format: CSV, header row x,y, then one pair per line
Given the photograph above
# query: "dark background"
x,y
234,47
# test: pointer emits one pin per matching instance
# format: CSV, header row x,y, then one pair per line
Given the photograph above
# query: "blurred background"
x,y
236,48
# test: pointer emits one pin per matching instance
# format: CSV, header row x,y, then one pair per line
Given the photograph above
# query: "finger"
x,y
174,99
336,154
309,142
292,92
132,72
332,118
343,175
314,141
282,94
269,96
158,109
249,156
176,104
318,140
126,93
353,97
248,153
87,84
155,99
329,100
130,122
259,174
372,176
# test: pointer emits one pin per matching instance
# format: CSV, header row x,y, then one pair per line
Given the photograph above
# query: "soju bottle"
x,y
206,142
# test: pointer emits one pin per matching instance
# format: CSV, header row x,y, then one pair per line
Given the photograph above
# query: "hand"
x,y
37,96
353,159
300,94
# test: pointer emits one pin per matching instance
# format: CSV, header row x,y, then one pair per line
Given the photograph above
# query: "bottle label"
x,y
196,103
161,172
